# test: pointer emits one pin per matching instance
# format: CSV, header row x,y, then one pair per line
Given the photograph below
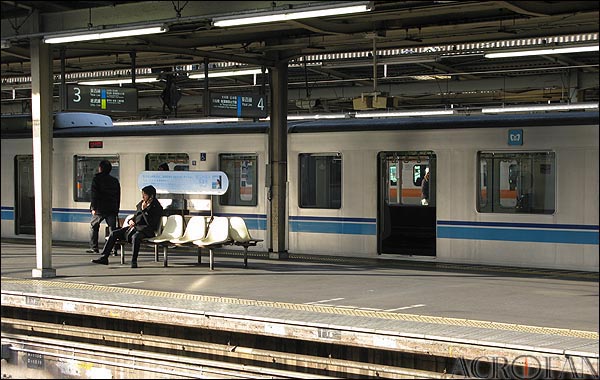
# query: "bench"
x,y
214,232
240,236
200,232
170,227
194,230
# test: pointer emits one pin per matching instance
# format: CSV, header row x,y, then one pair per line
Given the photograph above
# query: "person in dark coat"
x,y
144,224
425,190
106,200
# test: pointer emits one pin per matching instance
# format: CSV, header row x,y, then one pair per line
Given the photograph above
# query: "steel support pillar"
x,y
42,128
278,161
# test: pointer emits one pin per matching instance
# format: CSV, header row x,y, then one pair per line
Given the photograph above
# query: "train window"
x,y
418,174
405,171
517,182
241,170
175,161
320,180
85,168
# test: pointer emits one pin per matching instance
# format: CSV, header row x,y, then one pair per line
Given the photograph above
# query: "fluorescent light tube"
x,y
208,120
117,81
292,14
541,107
524,53
226,73
108,33
317,117
132,123
402,114
313,117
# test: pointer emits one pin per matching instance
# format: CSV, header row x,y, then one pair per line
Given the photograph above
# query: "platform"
x,y
417,306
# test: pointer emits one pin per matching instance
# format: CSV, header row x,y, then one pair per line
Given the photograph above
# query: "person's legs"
x,y
136,241
112,221
110,244
94,228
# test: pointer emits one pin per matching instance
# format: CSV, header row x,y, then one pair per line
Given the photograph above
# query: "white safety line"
x,y
406,307
315,302
125,283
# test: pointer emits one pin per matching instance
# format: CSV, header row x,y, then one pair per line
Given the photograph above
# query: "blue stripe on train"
x,y
446,229
8,213
333,225
65,215
523,232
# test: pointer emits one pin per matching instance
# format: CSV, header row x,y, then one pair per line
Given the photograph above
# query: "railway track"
x,y
77,351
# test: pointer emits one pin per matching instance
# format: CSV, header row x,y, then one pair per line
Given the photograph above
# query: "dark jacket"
x,y
147,220
425,188
106,194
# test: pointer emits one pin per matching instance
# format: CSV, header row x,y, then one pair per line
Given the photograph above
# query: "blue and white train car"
x,y
515,190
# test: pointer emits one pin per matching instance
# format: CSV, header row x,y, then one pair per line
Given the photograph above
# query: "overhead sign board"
x,y
101,98
234,105
185,182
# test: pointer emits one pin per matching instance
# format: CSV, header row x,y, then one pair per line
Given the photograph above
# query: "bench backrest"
x,y
161,226
218,230
173,227
195,229
238,230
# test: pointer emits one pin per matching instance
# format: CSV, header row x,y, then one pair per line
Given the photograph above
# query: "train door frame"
x,y
24,196
404,224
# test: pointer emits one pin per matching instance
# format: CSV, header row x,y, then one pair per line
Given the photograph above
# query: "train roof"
x,y
447,122
328,125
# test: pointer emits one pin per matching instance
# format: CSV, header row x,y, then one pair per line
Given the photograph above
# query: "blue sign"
x,y
515,137
185,182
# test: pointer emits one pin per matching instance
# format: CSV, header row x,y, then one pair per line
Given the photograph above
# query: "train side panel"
x,y
456,150
71,218
10,149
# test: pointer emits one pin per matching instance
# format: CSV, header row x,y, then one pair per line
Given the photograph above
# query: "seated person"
x,y
144,224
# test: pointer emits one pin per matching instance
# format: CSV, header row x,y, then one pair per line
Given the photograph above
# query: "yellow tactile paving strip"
x,y
316,308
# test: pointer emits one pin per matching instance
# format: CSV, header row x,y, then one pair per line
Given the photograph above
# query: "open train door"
x,y
406,224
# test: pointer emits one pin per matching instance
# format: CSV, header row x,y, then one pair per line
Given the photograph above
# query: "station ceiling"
x,y
428,54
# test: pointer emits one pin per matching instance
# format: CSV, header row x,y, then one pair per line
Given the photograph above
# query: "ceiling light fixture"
x,y
103,34
524,53
541,107
133,123
330,9
117,81
313,117
402,114
218,74
207,120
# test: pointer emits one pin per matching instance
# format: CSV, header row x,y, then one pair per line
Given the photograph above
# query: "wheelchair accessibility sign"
x,y
515,137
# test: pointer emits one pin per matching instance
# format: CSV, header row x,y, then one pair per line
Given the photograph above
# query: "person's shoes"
x,y
134,264
92,251
103,260
115,253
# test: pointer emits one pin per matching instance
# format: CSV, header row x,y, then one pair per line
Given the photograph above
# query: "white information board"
x,y
185,182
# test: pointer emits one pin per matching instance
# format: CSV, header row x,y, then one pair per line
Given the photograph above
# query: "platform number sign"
x,y
515,137
238,105
101,98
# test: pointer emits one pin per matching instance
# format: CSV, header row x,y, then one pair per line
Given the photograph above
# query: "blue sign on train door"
x,y
515,137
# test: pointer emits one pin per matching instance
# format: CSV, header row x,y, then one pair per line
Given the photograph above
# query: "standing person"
x,y
425,190
144,224
106,200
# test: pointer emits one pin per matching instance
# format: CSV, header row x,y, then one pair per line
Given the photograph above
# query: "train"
x,y
505,189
